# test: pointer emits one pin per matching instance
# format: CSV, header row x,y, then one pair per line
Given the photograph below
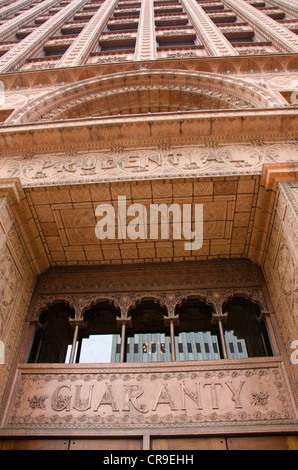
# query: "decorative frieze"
x,y
280,263
191,396
159,163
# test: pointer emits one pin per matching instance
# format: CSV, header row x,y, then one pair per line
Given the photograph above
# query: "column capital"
x,y
124,321
77,322
216,318
171,319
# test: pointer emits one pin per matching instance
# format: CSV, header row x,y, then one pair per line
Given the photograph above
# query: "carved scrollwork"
x,y
170,301
253,294
45,302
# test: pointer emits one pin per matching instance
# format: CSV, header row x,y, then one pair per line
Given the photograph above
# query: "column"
x,y
11,26
172,320
78,52
220,320
214,41
32,43
283,39
5,2
146,39
266,317
14,6
123,323
76,324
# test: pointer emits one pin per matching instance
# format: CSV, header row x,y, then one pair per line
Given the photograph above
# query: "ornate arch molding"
x,y
45,302
126,302
254,295
142,92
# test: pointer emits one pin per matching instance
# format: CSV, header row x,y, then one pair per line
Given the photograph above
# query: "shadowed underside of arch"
x,y
145,92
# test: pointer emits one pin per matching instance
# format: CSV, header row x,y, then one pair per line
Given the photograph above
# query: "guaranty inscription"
x,y
155,398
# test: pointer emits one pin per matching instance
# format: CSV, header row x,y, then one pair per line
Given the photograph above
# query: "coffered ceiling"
x,y
234,210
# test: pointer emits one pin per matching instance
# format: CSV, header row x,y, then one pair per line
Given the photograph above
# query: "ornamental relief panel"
x,y
122,164
280,264
188,397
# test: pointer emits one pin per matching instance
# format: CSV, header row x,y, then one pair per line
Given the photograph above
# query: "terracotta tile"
x,y
214,211
203,188
100,193
49,229
182,189
244,202
78,218
246,186
220,247
225,187
40,196
54,244
162,190
59,196
79,194
81,236
241,219
214,229
75,255
44,213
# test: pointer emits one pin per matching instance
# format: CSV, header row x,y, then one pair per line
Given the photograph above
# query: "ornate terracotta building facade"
x,y
164,103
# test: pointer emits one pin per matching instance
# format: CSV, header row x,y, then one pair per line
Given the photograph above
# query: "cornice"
x,y
226,126
229,64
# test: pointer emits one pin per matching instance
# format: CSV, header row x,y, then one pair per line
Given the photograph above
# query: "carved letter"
x,y
79,404
164,398
132,392
108,399
214,394
236,394
59,402
196,397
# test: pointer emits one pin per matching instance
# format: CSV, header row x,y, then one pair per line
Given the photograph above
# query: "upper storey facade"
x,y
60,33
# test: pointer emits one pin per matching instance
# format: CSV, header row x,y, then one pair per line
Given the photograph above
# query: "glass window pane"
x,y
96,348
200,345
148,347
236,348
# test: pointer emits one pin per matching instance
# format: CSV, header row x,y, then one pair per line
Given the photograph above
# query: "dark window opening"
x,y
52,341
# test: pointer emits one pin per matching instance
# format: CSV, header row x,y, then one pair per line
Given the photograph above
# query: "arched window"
x,y
53,340
147,338
245,332
150,334
197,338
97,342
